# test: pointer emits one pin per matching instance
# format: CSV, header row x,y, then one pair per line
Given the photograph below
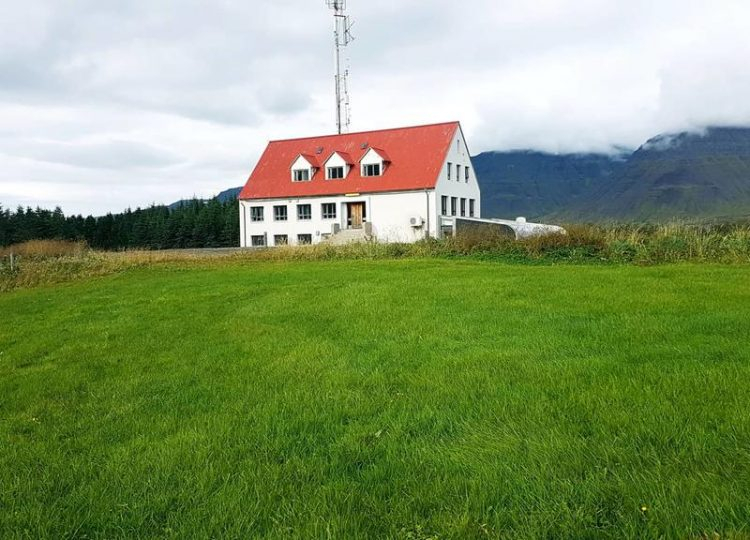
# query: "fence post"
x,y
11,262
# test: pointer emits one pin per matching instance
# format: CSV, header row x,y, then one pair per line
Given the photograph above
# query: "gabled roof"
x,y
416,156
312,160
344,155
382,153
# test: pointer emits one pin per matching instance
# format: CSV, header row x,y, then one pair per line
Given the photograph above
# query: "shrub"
x,y
45,248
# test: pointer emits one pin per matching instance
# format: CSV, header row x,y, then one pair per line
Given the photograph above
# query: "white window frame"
x,y
284,242
301,172
257,214
300,217
276,214
254,240
327,215
366,170
329,176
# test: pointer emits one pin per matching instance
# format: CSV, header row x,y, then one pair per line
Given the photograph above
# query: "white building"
x,y
396,185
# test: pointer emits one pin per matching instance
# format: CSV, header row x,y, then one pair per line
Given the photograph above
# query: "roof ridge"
x,y
365,132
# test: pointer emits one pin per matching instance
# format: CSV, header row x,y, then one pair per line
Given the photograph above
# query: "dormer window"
x,y
335,173
373,162
371,169
301,175
304,167
338,165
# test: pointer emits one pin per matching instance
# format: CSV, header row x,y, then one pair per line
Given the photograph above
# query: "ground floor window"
x,y
304,212
472,202
304,239
256,213
279,213
444,205
454,203
258,241
329,210
463,207
280,240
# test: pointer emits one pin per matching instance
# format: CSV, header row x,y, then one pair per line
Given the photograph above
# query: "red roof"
x,y
416,156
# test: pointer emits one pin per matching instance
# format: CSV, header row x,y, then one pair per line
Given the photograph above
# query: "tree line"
x,y
192,224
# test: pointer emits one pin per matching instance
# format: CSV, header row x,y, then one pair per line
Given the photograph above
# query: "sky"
x,y
110,104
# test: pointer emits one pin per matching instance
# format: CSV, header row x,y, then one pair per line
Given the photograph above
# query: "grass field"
x,y
406,399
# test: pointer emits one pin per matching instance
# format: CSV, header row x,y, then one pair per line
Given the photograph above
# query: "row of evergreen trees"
x,y
194,224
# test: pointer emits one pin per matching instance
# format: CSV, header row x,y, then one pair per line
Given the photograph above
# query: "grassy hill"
x,y
378,399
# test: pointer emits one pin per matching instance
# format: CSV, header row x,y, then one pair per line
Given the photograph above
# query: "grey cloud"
x,y
116,154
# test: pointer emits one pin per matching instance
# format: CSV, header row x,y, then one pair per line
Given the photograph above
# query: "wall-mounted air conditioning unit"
x,y
416,222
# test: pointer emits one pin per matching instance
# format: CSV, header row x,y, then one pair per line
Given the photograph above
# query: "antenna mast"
x,y
342,37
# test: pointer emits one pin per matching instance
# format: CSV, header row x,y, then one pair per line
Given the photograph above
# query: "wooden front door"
x,y
356,215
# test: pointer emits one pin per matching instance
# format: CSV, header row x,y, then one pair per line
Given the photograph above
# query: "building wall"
x,y
461,187
388,213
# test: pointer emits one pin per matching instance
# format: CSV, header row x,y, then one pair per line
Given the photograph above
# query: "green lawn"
x,y
388,399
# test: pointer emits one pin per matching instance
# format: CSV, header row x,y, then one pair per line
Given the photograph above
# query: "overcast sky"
x,y
106,104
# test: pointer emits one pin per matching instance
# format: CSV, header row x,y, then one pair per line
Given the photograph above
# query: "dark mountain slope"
x,y
535,184
686,176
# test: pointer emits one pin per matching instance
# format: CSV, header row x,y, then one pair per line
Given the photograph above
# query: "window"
x,y
329,210
304,212
444,205
301,175
471,207
450,166
304,239
280,240
279,213
258,241
256,213
458,172
454,200
466,173
463,207
371,170
335,173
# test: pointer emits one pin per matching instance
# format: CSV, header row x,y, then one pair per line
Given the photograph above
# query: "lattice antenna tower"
x,y
342,36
